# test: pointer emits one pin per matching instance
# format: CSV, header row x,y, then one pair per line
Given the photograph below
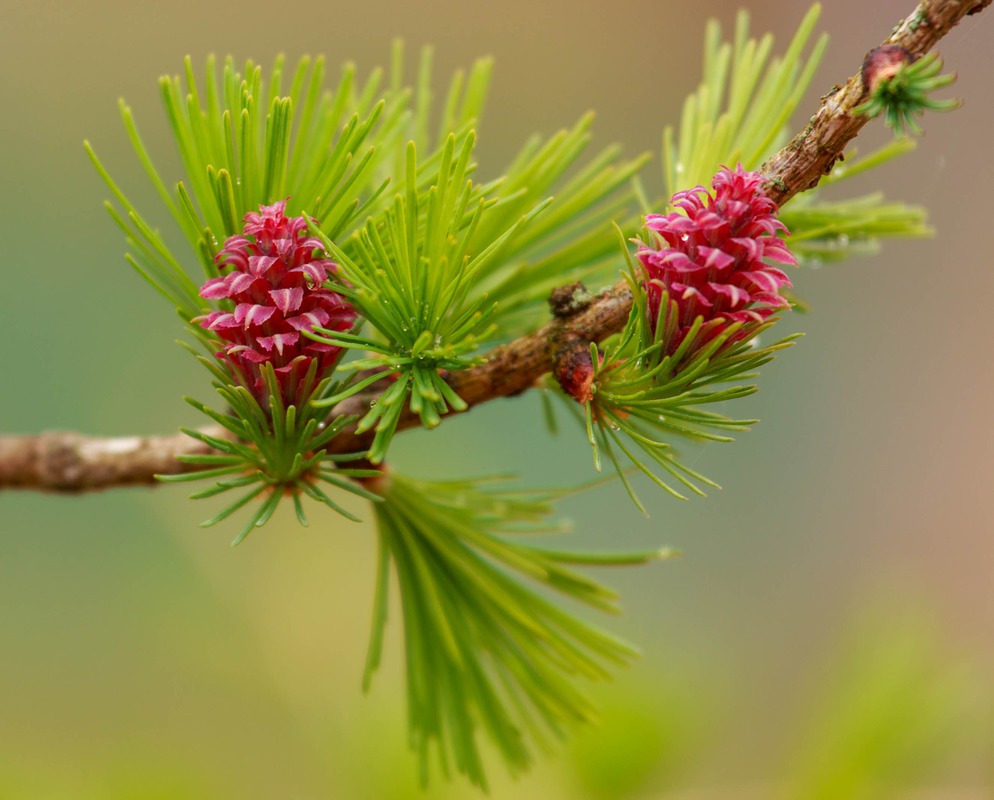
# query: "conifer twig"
x,y
70,462
813,152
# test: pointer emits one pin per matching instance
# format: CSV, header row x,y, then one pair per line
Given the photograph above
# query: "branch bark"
x,y
69,462
813,152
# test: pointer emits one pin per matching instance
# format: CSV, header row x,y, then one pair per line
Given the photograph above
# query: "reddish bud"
x,y
573,368
883,63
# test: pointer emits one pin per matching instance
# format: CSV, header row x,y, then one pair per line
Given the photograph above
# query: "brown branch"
x,y
66,462
69,462
813,152
513,368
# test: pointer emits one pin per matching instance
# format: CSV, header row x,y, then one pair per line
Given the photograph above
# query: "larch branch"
x,y
70,462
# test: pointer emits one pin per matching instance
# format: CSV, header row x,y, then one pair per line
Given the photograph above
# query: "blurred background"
x,y
829,630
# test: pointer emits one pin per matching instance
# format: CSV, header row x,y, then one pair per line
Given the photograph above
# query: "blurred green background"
x,y
829,631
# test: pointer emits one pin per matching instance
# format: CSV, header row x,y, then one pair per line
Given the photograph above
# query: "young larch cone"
x,y
276,283
711,256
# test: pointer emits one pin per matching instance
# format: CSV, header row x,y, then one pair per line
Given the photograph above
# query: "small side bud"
x,y
573,368
882,64
899,87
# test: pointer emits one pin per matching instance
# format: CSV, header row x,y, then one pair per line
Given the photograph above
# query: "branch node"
x,y
567,301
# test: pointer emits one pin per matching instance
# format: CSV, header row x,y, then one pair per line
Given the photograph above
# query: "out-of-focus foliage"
x,y
884,718
888,714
